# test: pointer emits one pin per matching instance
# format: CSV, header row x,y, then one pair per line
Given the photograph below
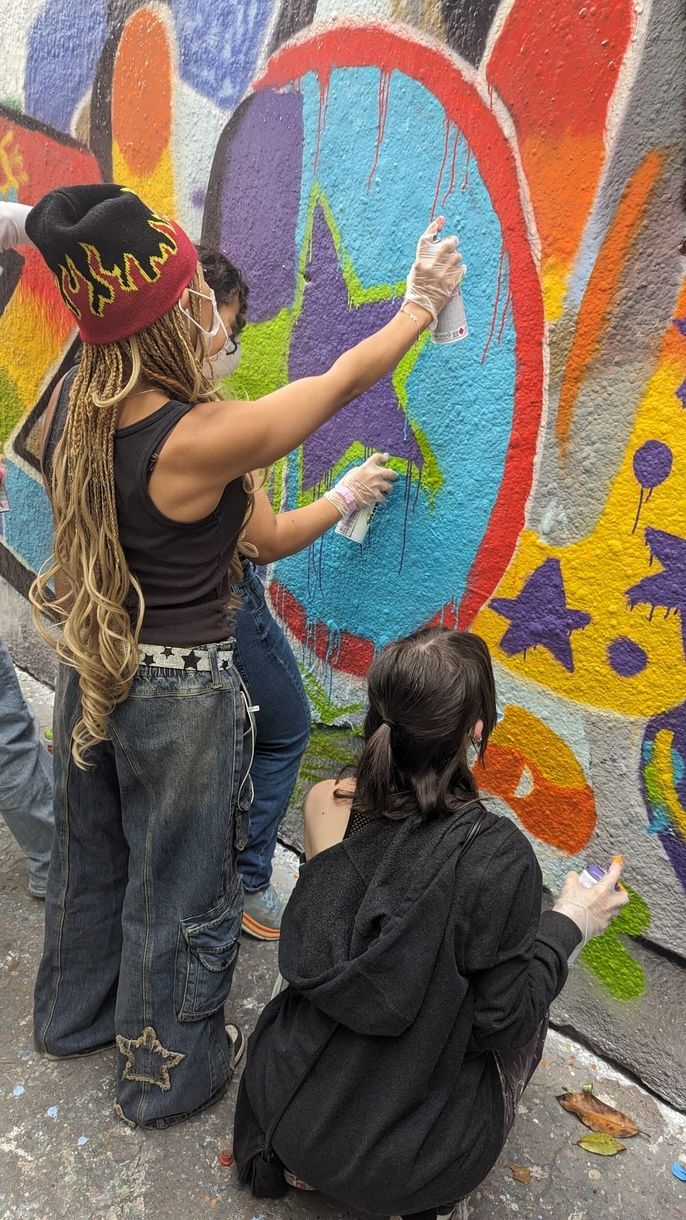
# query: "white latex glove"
x,y
13,224
593,909
436,271
369,483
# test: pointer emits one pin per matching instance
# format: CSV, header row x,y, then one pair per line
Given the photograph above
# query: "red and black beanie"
x,y
119,266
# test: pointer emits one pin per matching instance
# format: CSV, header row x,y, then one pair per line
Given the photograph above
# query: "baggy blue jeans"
x,y
25,777
144,900
268,667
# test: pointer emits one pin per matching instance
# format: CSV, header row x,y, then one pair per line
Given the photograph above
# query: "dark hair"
x,y
426,693
225,280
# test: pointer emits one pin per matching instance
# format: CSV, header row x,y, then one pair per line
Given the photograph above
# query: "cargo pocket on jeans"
x,y
206,952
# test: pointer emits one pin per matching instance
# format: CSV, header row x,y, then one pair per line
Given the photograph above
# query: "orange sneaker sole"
x,y
258,930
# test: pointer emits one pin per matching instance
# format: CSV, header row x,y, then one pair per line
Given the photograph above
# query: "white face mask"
x,y
217,321
224,363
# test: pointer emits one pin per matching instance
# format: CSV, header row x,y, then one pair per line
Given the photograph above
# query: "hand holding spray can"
x,y
354,525
452,320
588,877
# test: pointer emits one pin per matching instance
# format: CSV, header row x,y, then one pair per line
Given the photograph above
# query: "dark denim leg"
x,y
266,663
25,777
178,745
77,976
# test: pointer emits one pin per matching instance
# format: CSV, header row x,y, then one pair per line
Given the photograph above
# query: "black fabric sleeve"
x,y
516,957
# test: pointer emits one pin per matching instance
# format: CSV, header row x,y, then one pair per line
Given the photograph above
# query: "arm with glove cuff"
x,y
276,535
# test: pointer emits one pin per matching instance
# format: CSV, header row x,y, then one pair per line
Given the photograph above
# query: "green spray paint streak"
x,y
11,406
327,712
608,958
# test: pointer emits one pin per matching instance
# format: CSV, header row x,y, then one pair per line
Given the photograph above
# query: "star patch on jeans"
x,y
147,1060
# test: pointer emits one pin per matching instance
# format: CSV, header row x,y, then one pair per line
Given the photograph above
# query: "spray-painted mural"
x,y
543,460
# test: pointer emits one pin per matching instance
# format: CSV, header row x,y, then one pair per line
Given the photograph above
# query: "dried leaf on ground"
x,y
597,1115
601,1144
520,1174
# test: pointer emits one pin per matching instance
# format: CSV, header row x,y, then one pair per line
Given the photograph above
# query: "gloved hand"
x,y
365,484
13,224
593,909
436,271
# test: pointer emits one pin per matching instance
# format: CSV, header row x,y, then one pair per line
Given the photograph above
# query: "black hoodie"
x,y
422,969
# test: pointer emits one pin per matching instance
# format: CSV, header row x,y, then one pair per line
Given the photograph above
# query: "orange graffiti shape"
x,y
141,93
536,774
605,284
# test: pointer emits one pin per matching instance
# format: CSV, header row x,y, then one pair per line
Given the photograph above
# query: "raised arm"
x,y
226,443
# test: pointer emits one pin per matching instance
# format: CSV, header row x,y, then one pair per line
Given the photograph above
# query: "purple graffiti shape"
x,y
539,615
666,589
659,818
328,324
680,324
254,195
652,465
626,657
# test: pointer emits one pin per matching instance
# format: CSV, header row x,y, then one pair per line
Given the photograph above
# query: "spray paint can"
x,y
591,875
452,320
354,527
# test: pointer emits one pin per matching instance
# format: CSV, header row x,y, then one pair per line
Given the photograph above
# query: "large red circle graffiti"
x,y
374,46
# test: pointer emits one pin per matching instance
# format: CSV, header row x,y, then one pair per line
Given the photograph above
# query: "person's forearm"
x,y
366,363
257,434
293,531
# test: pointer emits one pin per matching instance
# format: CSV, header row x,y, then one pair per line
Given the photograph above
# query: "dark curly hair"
x,y
226,281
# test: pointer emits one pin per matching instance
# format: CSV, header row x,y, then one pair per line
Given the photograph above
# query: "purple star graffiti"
x,y
667,588
327,325
539,615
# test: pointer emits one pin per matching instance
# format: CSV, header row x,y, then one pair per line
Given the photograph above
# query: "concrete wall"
x,y
543,497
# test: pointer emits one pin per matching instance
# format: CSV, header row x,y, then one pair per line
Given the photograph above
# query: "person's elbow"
x,y
507,1031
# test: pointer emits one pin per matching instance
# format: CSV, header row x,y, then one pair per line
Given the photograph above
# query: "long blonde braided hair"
x,y
96,634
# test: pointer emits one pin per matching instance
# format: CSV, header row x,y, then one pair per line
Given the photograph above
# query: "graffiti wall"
x,y
542,498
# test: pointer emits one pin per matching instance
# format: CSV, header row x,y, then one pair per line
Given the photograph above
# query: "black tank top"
x,y
182,567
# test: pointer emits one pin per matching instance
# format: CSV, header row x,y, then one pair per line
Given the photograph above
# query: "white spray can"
x,y
452,320
354,527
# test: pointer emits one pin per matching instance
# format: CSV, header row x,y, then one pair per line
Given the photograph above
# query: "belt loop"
x,y
214,664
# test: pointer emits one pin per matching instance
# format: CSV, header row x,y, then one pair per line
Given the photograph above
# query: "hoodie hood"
x,y
369,967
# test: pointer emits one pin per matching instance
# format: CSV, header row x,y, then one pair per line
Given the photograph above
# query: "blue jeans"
x,y
144,901
266,663
25,777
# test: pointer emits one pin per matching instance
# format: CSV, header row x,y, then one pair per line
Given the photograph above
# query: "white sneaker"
x,y
459,1212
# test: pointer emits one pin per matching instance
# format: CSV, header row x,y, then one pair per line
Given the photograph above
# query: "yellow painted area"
x,y
554,279
155,189
526,734
599,569
32,336
662,760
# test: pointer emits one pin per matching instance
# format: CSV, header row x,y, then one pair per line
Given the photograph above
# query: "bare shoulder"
x,y
332,791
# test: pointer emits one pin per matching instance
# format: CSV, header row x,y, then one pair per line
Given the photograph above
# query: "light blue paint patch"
x,y
677,766
18,1090
379,229
81,1141
52,1112
60,64
28,529
660,821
